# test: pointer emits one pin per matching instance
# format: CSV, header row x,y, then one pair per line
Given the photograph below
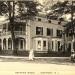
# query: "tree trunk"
x,y
11,18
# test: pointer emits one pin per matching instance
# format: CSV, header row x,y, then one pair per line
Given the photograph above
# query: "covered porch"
x,y
7,48
20,43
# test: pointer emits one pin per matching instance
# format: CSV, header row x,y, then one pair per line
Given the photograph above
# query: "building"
x,y
47,35
41,35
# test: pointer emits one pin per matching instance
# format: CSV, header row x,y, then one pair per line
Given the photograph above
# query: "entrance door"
x,y
9,43
21,44
59,49
4,44
69,47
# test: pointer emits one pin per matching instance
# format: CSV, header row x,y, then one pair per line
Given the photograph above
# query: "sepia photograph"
x,y
37,37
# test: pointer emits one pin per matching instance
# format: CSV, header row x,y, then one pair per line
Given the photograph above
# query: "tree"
x,y
3,7
27,10
61,8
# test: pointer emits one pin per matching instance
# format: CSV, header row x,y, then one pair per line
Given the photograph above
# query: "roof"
x,y
40,37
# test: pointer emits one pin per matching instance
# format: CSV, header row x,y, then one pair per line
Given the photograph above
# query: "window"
x,y
52,44
49,31
59,33
21,44
44,43
39,30
39,44
20,28
4,27
9,43
39,19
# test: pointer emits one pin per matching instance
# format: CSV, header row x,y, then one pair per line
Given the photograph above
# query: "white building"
x,y
46,35
41,35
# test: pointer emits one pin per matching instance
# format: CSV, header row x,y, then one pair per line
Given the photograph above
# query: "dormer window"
x,y
4,27
49,21
60,19
39,19
59,22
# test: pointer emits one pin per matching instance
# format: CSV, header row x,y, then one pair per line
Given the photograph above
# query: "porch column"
x,y
12,45
23,44
47,45
72,49
2,44
54,45
7,44
42,45
19,44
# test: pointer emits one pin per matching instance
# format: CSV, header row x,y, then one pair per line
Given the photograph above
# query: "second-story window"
x,y
4,27
49,32
59,33
20,28
39,30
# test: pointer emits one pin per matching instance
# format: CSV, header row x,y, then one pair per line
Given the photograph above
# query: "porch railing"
x,y
15,32
5,33
19,32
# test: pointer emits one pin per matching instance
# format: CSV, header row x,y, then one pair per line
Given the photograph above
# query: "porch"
x,y
6,45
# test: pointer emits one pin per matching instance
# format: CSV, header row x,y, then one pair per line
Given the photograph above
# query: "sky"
x,y
43,1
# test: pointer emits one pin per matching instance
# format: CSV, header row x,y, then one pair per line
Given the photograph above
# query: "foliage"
x,y
59,5
61,8
3,7
27,9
